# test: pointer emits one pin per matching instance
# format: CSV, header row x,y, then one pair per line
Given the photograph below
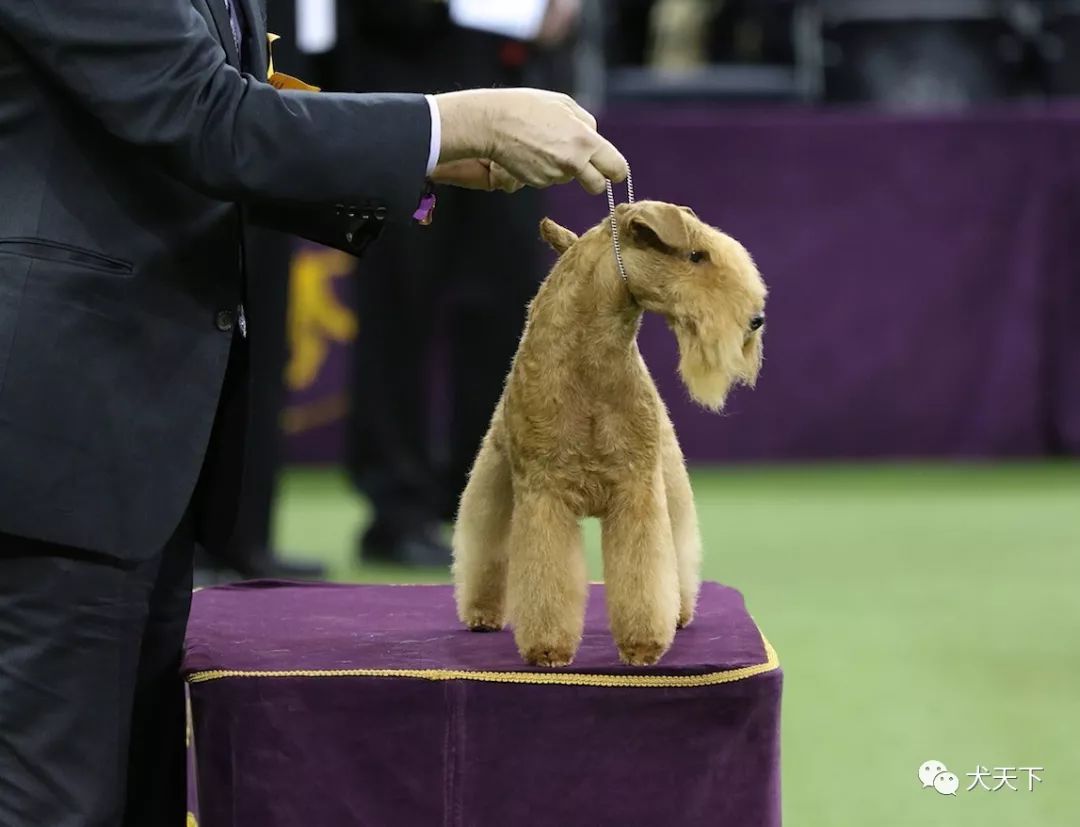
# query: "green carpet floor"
x,y
920,612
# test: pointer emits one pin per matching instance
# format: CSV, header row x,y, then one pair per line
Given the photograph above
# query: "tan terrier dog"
x,y
581,431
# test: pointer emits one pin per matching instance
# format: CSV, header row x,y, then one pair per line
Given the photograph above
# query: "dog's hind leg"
x,y
481,535
548,585
684,522
640,571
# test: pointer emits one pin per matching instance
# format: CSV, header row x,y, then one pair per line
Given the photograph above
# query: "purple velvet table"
x,y
332,705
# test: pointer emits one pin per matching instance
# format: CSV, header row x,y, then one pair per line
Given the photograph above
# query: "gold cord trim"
x,y
552,678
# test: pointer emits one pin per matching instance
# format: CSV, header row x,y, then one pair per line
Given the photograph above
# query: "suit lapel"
x,y
220,15
259,56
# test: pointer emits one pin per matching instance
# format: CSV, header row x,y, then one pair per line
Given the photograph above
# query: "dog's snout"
x,y
757,321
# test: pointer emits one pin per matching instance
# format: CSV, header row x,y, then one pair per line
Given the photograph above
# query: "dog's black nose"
x,y
757,321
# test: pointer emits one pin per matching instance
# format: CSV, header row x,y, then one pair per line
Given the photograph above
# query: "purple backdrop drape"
x,y
925,301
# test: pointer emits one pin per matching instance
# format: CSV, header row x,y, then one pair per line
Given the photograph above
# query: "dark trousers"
x,y
471,274
440,308
91,698
91,703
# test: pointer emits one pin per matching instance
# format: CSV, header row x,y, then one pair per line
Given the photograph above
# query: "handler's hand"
x,y
476,174
540,138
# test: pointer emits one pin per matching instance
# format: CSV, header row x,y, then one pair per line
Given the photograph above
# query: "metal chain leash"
x,y
614,223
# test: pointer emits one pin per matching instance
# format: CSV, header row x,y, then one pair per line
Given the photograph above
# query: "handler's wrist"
x,y
467,125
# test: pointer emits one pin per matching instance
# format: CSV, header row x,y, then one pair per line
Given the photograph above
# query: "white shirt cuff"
x,y
436,135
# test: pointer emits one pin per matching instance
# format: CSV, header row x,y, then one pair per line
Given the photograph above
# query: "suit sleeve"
x,y
349,229
153,75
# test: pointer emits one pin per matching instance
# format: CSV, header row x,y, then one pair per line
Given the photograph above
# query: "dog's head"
x,y
702,281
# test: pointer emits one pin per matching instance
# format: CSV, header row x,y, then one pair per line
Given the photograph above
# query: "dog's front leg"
x,y
640,571
547,582
684,523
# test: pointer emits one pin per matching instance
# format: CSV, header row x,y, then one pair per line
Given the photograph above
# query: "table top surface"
x,y
276,627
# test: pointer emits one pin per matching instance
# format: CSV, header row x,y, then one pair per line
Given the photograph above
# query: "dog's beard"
x,y
711,366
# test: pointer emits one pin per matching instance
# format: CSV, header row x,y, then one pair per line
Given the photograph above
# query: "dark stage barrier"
x,y
925,296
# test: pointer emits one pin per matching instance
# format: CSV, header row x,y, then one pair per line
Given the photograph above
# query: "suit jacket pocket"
x,y
38,248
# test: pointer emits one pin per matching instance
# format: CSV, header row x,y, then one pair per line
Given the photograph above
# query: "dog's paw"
x,y
685,619
641,653
483,620
546,655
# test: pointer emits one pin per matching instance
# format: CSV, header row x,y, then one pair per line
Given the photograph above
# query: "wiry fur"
x,y
581,431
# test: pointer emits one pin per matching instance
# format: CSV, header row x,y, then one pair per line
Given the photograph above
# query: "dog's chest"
x,y
586,451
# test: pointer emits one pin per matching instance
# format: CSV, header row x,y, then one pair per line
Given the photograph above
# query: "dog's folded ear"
x,y
558,238
657,225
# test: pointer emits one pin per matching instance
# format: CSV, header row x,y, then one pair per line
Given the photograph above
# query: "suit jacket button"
x,y
224,320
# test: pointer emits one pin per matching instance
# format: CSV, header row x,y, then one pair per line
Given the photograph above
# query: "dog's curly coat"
x,y
581,431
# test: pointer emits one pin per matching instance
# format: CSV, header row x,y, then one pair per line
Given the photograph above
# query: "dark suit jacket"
x,y
132,152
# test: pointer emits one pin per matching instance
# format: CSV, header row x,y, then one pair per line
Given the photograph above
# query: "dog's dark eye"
x,y
757,322
697,256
